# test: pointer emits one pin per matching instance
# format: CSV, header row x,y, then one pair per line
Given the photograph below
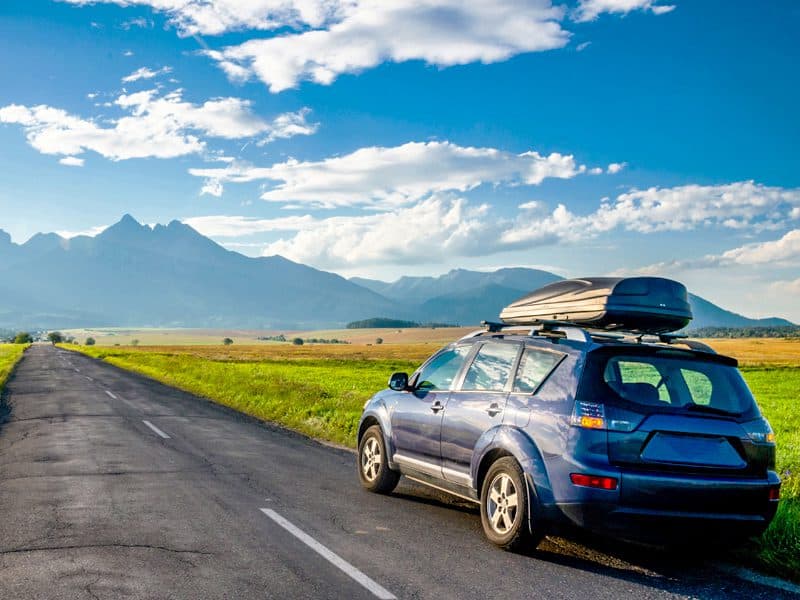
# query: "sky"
x,y
383,139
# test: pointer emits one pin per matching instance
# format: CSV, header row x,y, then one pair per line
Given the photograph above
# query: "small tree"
x,y
23,337
134,342
378,340
227,341
297,341
55,337
90,341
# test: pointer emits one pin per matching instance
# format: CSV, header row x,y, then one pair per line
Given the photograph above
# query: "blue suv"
x,y
645,438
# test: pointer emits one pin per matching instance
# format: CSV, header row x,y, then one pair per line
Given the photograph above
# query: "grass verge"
x,y
778,550
10,354
320,391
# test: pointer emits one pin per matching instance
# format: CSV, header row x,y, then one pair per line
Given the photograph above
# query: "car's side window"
x,y
440,372
534,367
491,368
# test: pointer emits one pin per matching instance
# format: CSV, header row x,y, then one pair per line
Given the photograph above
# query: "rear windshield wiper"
x,y
709,409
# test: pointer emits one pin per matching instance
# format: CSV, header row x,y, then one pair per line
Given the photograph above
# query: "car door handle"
x,y
437,406
493,409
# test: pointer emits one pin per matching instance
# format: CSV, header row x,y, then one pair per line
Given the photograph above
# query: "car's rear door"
x,y
674,415
476,406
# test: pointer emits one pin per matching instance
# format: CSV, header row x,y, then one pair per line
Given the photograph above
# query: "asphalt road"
x,y
113,486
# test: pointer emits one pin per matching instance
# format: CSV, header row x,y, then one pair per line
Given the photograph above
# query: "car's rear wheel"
x,y
373,465
505,506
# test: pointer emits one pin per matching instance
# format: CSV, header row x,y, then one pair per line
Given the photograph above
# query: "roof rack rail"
x,y
571,331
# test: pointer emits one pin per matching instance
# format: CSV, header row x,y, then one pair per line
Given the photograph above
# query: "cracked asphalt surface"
x,y
94,504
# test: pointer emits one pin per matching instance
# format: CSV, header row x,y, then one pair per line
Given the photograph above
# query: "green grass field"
x,y
776,390
320,391
9,355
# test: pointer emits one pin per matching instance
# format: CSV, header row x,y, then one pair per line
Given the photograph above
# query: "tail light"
x,y
593,415
760,431
774,493
593,481
589,415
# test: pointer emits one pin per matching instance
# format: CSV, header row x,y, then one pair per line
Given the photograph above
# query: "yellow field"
x,y
760,351
179,337
411,344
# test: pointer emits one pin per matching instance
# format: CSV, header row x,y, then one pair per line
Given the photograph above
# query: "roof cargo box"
x,y
639,304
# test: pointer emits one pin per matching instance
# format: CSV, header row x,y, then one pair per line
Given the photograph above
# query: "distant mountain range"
x,y
172,276
467,297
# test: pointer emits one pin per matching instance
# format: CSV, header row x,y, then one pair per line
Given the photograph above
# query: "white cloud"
x,y
401,236
71,161
615,168
588,10
140,22
323,39
789,288
235,226
127,53
211,187
388,177
582,46
783,252
152,126
214,17
145,73
463,229
733,206
91,232
439,32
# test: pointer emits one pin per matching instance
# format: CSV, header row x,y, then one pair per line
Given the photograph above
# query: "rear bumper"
x,y
664,527
661,509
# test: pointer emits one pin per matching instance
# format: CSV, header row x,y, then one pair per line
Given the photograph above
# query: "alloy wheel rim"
x,y
371,459
502,503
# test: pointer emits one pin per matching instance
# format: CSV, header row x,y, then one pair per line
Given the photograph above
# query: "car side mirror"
x,y
398,382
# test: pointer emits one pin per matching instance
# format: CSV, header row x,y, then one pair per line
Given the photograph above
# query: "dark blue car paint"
x,y
453,447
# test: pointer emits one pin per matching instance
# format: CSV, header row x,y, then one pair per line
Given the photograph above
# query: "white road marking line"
x,y
330,556
111,395
77,370
156,429
89,378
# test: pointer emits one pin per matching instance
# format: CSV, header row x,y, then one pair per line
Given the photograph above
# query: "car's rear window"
x,y
664,381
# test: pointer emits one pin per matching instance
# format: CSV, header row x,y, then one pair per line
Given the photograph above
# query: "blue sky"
x,y
382,139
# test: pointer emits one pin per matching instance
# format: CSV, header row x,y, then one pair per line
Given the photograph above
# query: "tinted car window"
x,y
534,366
491,368
631,372
700,387
440,372
678,383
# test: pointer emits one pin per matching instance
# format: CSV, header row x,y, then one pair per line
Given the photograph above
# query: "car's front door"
x,y
416,417
476,406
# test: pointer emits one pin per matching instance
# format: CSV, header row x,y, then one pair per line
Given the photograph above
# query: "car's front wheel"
x,y
373,464
505,506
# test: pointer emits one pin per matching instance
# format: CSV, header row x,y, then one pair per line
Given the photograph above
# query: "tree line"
x,y
387,323
778,331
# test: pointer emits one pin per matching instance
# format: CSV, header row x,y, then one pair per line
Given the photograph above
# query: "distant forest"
x,y
385,323
786,331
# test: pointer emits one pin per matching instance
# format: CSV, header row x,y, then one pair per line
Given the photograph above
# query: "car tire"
x,y
505,505
373,464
